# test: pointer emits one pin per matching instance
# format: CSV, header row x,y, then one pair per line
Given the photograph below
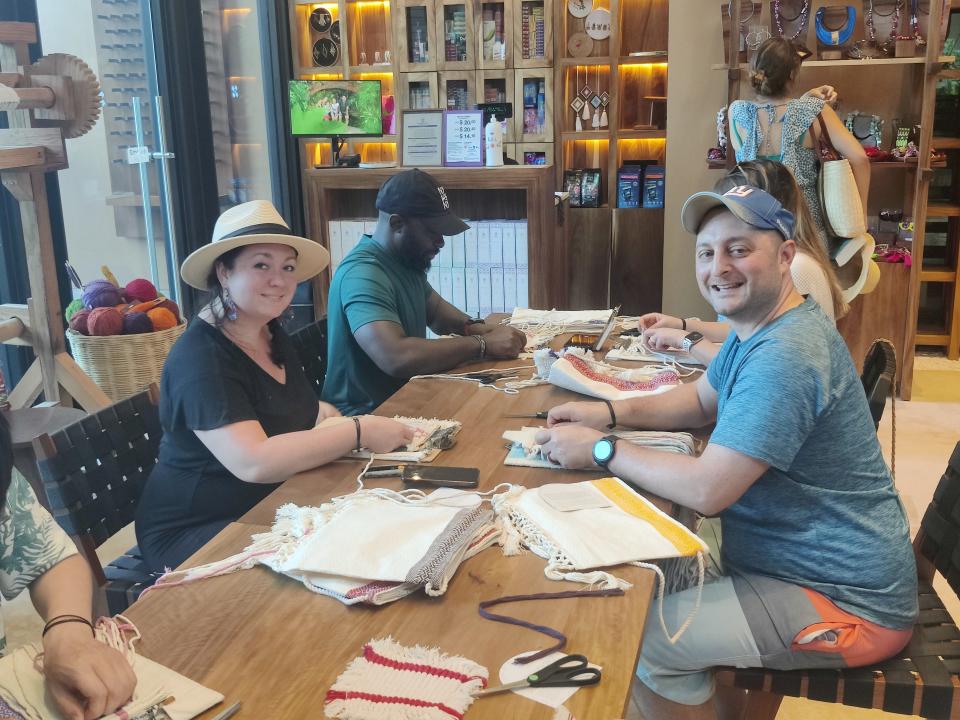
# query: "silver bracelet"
x,y
483,345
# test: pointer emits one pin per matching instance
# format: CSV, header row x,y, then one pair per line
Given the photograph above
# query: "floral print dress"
x,y
31,542
802,161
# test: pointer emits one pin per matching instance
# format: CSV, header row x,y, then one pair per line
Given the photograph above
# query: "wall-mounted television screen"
x,y
335,107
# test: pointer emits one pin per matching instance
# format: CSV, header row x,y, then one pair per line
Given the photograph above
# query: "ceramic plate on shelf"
x,y
321,19
597,24
335,31
325,52
579,8
579,45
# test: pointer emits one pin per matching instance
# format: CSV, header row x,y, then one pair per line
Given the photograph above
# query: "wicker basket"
x,y
123,365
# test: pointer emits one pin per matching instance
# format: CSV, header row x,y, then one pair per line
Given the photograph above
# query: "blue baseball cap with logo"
x,y
414,193
750,204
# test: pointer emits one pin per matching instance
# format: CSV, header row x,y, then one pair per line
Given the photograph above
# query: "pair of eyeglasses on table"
x,y
568,671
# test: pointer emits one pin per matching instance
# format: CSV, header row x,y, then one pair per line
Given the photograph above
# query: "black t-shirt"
x,y
207,383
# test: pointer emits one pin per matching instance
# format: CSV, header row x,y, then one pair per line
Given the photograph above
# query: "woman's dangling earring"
x,y
229,305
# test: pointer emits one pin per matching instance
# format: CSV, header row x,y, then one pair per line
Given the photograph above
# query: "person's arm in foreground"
x,y
708,483
85,678
713,331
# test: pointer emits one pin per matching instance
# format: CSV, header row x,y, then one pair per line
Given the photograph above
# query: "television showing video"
x,y
335,107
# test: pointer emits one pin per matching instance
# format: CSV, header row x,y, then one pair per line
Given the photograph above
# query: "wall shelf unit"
x,y
618,251
910,83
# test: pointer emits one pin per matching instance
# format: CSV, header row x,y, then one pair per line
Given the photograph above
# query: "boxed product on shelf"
x,y
653,186
628,186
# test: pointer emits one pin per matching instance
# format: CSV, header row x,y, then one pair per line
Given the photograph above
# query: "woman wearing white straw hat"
x,y
238,413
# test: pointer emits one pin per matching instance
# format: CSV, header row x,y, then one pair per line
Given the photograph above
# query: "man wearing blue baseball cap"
x,y
381,304
817,567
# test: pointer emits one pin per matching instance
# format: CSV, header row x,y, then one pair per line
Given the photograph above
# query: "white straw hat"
x,y
251,223
855,276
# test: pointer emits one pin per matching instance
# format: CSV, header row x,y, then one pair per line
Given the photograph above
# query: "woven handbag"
x,y
123,365
837,188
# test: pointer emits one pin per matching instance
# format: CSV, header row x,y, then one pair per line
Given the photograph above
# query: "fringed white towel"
x,y
390,682
21,680
579,528
364,547
578,371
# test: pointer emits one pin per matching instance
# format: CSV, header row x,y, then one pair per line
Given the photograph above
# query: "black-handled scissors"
x,y
568,671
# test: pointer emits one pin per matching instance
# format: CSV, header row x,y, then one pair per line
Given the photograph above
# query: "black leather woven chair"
x,y
311,345
924,679
878,376
93,472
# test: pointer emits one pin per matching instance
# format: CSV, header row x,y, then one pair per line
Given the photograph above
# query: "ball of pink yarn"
x,y
136,322
78,321
140,290
104,321
101,293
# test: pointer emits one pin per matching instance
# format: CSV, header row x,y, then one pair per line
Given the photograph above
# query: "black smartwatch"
x,y
691,339
604,449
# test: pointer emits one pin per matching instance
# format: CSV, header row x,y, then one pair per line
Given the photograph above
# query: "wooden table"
x,y
264,639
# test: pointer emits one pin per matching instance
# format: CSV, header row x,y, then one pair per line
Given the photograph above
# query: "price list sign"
x,y
422,138
463,138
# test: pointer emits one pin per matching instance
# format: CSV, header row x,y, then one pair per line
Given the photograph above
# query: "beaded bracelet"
x,y
613,415
64,619
483,345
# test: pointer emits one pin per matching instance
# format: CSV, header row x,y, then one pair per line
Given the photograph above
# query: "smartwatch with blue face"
x,y
604,449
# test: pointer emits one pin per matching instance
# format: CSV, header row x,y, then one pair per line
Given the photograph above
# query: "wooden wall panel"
x,y
636,274
588,233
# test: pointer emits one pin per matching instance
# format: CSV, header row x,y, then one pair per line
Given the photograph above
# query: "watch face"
x,y
602,450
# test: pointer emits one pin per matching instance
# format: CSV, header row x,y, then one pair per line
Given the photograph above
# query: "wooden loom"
x,y
55,98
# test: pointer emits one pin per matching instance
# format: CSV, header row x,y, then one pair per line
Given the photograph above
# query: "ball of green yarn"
x,y
73,307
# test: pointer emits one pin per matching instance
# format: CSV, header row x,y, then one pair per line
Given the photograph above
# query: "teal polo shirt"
x,y
370,284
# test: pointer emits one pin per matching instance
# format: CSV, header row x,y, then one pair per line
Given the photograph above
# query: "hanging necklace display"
x,y
595,102
870,47
577,103
802,17
915,12
742,45
836,36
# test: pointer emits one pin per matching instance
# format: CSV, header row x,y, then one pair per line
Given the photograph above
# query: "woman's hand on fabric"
x,y
85,678
827,93
383,435
663,338
655,320
325,411
569,445
587,414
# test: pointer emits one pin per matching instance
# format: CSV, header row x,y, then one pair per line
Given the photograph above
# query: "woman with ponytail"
x,y
777,126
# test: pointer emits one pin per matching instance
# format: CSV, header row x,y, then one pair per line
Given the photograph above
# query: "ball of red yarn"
x,y
101,293
171,306
78,321
104,321
162,318
136,322
140,290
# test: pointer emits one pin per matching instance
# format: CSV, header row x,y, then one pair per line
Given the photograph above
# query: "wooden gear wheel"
x,y
78,101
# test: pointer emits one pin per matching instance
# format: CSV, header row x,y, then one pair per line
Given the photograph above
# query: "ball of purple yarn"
x,y
101,293
136,322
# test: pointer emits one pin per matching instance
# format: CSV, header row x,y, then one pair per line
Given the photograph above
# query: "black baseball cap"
x,y
414,193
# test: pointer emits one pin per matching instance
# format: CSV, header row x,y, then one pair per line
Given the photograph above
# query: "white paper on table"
x,y
552,697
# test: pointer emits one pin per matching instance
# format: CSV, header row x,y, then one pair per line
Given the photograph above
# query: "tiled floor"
x,y
928,428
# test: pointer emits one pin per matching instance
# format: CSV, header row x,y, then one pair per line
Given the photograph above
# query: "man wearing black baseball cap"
x,y
381,304
818,570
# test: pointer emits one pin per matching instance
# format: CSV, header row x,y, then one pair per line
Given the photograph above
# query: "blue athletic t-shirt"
x,y
825,515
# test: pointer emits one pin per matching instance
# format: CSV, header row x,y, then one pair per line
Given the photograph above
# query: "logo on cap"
x,y
741,191
443,198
